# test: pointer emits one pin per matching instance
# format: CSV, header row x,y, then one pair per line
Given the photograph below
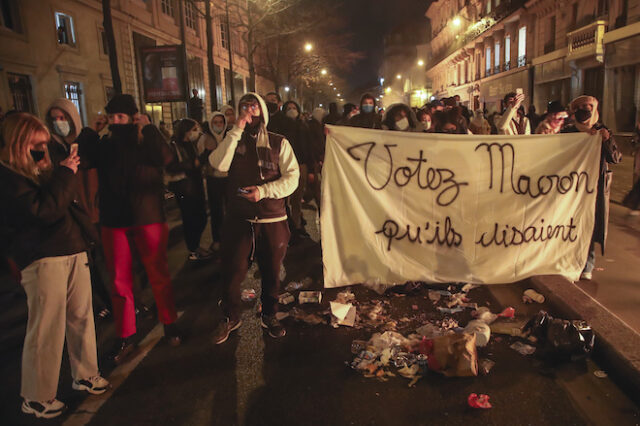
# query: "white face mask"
x,y
427,124
217,129
62,128
194,136
402,124
292,113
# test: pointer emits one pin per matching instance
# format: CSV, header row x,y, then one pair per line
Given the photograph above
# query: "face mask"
x,y
194,136
427,125
292,113
367,108
62,128
402,124
37,155
272,108
218,129
583,115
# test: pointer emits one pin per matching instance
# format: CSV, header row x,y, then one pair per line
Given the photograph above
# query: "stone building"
x,y
57,48
552,50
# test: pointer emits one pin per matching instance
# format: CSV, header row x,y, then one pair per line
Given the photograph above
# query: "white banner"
x,y
400,206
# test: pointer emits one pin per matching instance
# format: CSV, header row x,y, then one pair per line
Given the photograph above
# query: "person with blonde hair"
x,y
48,241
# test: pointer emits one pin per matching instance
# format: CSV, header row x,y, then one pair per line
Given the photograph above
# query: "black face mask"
x,y
272,108
37,155
583,115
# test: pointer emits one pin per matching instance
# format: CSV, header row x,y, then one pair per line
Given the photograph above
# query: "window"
x,y
550,37
64,28
190,16
167,7
218,85
488,61
9,17
224,35
488,7
104,44
522,46
227,86
21,92
72,92
603,7
496,61
507,52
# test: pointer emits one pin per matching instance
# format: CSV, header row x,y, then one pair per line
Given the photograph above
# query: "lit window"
x,y
488,60
488,7
522,46
190,16
64,28
21,92
72,92
507,49
496,62
167,7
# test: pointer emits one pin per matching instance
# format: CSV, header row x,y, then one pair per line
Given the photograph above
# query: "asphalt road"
x,y
302,379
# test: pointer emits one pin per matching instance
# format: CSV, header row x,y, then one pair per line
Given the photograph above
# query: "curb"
x,y
617,346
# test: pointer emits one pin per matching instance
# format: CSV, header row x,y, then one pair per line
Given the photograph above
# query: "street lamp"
x,y
286,88
420,62
323,71
335,88
308,47
399,76
457,21
388,90
339,95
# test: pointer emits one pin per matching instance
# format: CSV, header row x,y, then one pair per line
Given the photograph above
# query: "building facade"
x,y
57,48
552,50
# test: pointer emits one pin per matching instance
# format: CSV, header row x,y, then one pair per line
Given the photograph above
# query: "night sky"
x,y
370,20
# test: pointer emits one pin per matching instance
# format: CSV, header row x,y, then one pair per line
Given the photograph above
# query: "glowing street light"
x,y
388,90
420,62
286,88
330,84
323,71
399,76
335,88
339,94
457,21
308,47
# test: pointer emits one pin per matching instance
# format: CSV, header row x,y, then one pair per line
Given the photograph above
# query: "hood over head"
x,y
586,100
263,134
284,106
224,108
389,121
216,114
73,115
367,96
318,114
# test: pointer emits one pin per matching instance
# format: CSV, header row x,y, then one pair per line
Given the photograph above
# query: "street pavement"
x,y
303,379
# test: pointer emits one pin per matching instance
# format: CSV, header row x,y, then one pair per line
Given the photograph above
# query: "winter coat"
x,y
59,147
130,172
368,120
38,218
609,154
316,143
207,143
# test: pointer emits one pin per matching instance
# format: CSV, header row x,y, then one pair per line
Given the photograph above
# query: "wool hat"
x,y
123,104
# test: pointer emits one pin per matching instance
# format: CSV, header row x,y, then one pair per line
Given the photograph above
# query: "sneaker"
x,y
200,254
173,335
104,313
273,326
43,409
121,350
95,385
224,329
586,276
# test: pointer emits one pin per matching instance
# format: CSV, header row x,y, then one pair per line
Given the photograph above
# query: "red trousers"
x,y
151,243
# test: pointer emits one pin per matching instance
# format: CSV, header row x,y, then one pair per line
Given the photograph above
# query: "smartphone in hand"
x,y
73,151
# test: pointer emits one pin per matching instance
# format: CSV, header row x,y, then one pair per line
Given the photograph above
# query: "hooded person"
x,y
216,180
478,124
334,116
367,118
63,121
229,115
585,111
130,160
277,118
296,131
513,121
400,117
263,172
183,175
348,111
553,120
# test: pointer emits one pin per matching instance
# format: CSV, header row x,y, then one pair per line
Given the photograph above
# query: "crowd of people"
x,y
83,207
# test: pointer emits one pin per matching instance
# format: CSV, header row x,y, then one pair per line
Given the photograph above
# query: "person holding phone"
x,y
513,121
46,241
263,171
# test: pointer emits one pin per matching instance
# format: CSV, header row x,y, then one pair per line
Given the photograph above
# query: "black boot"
x,y
122,349
173,335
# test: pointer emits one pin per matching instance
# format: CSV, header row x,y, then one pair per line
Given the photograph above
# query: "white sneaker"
x,y
586,276
43,409
95,385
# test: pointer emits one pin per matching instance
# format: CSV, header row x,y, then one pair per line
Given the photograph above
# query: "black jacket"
x,y
131,187
38,219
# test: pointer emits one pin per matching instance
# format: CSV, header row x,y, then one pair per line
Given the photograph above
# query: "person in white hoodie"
x,y
513,122
216,180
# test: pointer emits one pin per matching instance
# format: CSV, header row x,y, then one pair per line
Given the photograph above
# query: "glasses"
x,y
247,106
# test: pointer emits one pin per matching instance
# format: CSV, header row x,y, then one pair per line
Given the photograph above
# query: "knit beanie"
x,y
123,104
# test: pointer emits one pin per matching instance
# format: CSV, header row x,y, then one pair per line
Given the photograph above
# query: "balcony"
x,y
587,42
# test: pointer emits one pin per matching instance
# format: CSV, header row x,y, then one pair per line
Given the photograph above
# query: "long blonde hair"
x,y
18,132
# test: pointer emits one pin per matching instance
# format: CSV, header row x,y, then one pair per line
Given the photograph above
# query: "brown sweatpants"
x,y
59,301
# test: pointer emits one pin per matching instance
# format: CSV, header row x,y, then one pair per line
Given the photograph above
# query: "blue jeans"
x,y
591,258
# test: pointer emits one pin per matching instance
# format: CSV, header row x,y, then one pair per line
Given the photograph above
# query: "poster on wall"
x,y
163,73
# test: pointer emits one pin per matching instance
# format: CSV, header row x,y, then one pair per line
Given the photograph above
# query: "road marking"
x,y
90,406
